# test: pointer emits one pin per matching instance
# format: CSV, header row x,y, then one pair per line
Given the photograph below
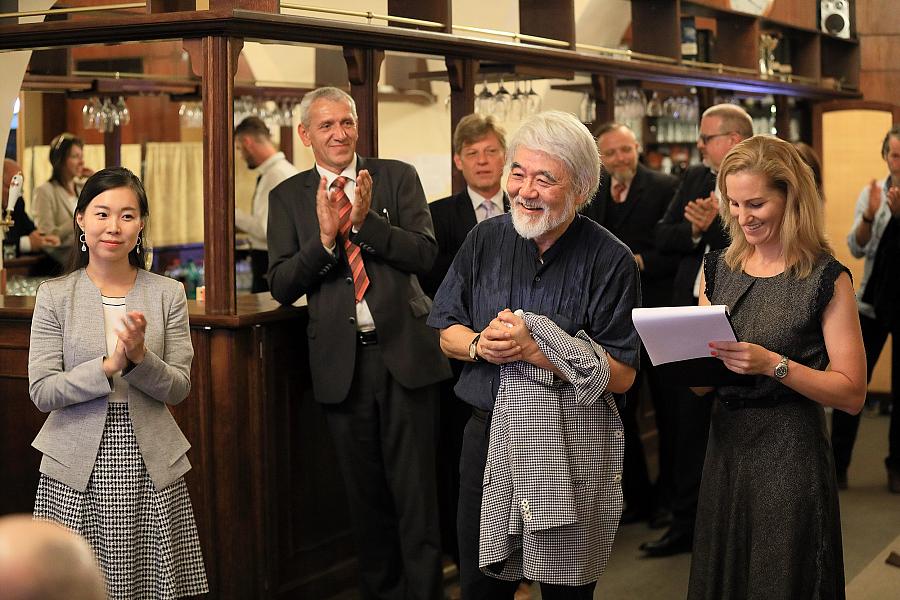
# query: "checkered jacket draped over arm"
x,y
552,484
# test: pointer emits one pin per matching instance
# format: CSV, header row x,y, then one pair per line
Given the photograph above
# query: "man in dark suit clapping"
x,y
631,199
352,234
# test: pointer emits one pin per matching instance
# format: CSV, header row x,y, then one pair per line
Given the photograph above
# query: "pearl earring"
x,y
83,245
137,247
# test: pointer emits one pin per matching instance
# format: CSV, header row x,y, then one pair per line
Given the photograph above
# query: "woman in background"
x,y
114,458
768,524
53,202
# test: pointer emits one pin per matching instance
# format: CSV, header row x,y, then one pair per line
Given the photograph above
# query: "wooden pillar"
x,y
112,147
706,97
363,69
605,98
216,58
286,143
554,20
461,73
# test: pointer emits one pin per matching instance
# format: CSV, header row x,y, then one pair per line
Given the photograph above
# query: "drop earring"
x,y
137,247
83,245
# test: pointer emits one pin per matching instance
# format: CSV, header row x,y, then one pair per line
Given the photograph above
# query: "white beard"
x,y
527,227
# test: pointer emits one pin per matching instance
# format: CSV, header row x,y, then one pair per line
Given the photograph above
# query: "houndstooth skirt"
x,y
145,540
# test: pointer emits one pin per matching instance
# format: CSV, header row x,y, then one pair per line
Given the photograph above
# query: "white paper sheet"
x,y
672,333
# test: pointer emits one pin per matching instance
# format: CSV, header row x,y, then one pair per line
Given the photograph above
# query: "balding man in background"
x,y
40,560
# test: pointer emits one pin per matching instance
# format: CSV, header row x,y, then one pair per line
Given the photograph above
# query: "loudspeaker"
x,y
834,17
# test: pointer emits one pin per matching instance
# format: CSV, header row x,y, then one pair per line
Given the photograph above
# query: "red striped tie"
x,y
354,255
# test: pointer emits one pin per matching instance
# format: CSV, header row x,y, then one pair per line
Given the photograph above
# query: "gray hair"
x,y
734,119
325,93
565,138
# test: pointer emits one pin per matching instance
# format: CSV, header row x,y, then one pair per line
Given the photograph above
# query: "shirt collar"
x,y
270,162
477,199
349,172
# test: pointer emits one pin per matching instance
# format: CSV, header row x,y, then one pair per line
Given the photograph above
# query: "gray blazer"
x,y
66,378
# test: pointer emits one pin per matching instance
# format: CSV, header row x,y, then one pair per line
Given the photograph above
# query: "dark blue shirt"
x,y
588,280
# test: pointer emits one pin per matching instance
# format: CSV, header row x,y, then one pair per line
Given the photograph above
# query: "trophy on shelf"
x,y
767,61
6,221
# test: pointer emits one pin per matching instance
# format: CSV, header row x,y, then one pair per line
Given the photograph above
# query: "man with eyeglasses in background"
x,y
631,199
690,228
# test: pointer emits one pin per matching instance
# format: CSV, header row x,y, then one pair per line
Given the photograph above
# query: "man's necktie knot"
x,y
618,191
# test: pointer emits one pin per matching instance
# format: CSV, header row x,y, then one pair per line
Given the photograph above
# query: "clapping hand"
x,y
363,199
328,215
700,213
893,199
131,336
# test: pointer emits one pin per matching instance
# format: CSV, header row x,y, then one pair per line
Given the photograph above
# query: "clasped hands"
x,y
327,208
700,213
130,345
507,339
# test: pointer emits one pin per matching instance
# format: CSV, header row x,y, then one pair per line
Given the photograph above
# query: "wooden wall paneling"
x,y
363,69
656,27
554,20
461,74
53,117
874,18
738,41
800,14
196,418
439,11
216,58
20,419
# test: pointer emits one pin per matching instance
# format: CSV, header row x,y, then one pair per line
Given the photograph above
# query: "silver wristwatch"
x,y
781,369
473,348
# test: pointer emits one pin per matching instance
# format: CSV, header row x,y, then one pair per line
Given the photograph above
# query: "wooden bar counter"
x,y
265,484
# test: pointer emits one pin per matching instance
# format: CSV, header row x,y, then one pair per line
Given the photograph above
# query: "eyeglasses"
x,y
706,138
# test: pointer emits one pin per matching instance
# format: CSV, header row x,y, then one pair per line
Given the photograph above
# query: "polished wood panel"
x,y
438,11
801,14
219,57
461,74
655,28
554,20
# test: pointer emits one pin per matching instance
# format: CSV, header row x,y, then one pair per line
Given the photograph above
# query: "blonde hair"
x,y
802,230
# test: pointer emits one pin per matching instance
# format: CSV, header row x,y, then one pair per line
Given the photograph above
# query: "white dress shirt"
x,y
364,319
273,171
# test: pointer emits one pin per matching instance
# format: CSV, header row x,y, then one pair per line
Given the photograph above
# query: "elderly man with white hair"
x,y
538,305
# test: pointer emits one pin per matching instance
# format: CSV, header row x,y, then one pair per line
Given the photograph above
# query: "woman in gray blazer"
x,y
110,348
54,200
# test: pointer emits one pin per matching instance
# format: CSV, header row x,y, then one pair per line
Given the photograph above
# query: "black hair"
x,y
59,152
102,181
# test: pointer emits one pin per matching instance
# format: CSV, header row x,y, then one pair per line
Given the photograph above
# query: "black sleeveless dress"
x,y
768,523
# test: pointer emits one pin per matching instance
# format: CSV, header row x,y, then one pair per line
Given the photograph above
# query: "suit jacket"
x,y
397,244
673,233
453,218
66,379
22,225
552,482
648,196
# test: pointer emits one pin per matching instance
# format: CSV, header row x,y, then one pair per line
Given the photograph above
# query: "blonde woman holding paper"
x,y
768,524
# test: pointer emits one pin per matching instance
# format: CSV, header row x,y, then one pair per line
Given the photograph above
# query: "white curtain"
x,y
173,178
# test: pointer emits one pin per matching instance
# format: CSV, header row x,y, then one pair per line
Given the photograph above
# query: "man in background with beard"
x,y
546,259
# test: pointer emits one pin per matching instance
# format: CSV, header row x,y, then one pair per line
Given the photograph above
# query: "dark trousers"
x,y
259,266
638,491
475,585
385,439
454,414
844,426
691,416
